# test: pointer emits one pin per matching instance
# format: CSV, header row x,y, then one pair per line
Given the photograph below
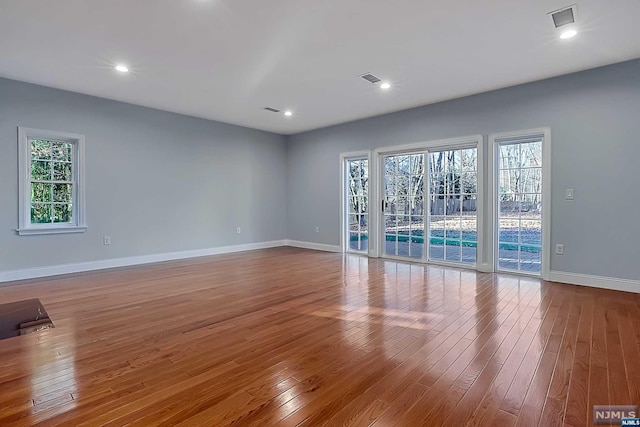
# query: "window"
x,y
51,182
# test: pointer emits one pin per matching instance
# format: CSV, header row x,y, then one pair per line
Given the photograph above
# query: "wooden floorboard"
x,y
292,337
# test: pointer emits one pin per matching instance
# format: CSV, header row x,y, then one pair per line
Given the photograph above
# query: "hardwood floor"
x,y
294,337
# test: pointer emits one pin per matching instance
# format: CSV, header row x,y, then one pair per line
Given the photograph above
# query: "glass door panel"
x,y
357,204
453,195
520,206
403,199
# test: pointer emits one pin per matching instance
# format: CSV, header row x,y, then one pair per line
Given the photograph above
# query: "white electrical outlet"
x,y
559,249
317,229
238,230
106,240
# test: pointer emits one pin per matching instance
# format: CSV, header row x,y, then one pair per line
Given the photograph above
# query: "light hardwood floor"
x,y
288,336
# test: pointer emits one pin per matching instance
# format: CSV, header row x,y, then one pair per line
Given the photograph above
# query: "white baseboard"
x,y
595,281
314,246
55,270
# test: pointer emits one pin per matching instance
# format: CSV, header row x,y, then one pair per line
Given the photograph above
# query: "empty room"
x,y
329,213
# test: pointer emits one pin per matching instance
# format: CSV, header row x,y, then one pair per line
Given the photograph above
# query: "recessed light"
x,y
568,34
288,113
121,68
385,85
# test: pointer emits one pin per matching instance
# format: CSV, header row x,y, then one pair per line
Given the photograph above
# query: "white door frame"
x,y
492,227
376,217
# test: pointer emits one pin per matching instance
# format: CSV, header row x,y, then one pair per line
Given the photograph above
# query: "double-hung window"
x,y
51,182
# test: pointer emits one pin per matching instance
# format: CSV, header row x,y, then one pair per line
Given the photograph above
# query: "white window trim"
x,y
365,155
24,195
494,140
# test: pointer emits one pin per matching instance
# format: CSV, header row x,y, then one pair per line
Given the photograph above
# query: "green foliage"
x,y
40,214
61,213
62,193
40,170
62,171
40,192
51,181
40,149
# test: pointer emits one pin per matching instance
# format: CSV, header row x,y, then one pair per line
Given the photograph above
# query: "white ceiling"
x,y
227,59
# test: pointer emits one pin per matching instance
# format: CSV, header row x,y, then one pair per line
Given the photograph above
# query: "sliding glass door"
x,y
430,201
429,205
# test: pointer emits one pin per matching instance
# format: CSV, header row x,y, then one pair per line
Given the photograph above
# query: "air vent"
x,y
565,16
370,78
273,110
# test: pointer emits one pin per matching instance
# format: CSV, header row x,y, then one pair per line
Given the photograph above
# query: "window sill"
x,y
51,230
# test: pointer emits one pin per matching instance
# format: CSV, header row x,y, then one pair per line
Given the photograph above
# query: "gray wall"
x,y
160,182
156,182
594,118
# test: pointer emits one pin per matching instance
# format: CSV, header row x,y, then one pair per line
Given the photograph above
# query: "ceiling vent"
x,y
564,16
273,110
370,78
